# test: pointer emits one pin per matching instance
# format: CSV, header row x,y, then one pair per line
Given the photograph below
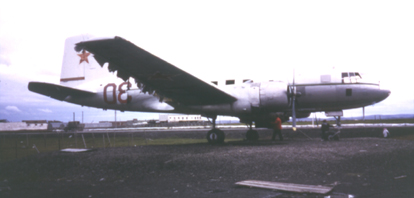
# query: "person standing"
x,y
324,128
277,129
385,132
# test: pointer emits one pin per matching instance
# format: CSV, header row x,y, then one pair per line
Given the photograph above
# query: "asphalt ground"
x,y
362,164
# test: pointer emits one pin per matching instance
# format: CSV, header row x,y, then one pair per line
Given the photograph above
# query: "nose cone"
x,y
382,94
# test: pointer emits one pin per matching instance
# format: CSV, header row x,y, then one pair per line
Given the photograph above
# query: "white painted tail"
x,y
80,69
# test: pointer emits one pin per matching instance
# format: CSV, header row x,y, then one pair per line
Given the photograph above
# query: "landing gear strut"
x,y
335,136
215,136
251,134
338,120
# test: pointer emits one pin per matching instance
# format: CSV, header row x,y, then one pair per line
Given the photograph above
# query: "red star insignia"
x,y
84,56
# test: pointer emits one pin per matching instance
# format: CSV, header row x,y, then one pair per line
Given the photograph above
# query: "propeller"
x,y
293,103
293,95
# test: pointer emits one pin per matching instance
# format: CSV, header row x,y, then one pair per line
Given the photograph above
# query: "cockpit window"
x,y
229,82
350,77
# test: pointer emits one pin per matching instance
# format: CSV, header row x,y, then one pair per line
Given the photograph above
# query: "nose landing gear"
x,y
252,135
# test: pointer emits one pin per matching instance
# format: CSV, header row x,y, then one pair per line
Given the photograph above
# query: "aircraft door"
x,y
254,93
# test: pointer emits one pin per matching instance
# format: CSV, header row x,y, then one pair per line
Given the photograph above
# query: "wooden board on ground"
x,y
286,186
75,150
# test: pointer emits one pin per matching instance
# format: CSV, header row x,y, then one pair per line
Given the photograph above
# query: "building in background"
x,y
179,118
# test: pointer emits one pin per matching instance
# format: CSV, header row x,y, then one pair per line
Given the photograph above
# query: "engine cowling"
x,y
274,96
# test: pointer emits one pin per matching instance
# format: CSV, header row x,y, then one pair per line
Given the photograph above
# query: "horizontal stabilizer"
x,y
56,91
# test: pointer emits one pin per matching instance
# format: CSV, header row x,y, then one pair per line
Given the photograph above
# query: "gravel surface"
x,y
360,166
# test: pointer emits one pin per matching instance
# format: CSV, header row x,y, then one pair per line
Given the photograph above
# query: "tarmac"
x,y
361,164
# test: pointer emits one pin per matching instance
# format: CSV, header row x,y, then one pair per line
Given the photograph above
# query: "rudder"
x,y
80,68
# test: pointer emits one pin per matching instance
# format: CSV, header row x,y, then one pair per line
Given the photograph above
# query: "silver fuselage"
x,y
252,99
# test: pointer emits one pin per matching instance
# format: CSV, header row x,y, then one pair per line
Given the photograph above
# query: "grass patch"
x,y
15,146
405,137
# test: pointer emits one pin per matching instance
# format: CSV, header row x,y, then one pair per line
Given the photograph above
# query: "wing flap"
x,y
153,74
56,91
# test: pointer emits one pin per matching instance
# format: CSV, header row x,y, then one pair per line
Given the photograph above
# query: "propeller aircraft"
x,y
146,83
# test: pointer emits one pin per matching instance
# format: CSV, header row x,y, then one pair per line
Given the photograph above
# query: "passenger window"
x,y
351,74
348,92
344,74
229,82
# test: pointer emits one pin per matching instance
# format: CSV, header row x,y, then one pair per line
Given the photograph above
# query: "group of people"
x,y
325,131
277,130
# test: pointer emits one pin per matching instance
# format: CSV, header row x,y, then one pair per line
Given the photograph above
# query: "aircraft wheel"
x,y
252,135
215,136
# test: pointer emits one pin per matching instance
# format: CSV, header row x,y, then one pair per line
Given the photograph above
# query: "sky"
x,y
211,40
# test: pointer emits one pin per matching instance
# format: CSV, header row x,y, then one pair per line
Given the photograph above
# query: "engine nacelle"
x,y
273,96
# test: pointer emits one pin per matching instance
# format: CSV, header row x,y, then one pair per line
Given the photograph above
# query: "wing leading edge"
x,y
153,74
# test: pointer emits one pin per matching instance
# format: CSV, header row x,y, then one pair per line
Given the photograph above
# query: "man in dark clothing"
x,y
277,129
324,128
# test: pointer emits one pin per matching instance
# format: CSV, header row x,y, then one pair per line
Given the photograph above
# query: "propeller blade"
x,y
293,77
293,112
293,102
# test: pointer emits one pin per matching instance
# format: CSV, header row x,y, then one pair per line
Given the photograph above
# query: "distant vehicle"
x,y
161,87
55,126
74,126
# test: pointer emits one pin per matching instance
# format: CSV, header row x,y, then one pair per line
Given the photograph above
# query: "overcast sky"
x,y
211,40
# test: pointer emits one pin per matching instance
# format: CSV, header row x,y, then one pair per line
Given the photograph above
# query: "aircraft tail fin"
x,y
80,70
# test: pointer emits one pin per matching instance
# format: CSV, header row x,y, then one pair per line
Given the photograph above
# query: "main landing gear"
x,y
215,136
252,135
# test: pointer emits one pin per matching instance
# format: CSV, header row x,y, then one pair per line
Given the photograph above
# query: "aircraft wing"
x,y
153,74
56,91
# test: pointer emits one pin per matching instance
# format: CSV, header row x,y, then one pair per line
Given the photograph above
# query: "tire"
x,y
252,135
215,136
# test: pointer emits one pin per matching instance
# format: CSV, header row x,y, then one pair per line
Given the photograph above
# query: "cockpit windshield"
x,y
351,77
